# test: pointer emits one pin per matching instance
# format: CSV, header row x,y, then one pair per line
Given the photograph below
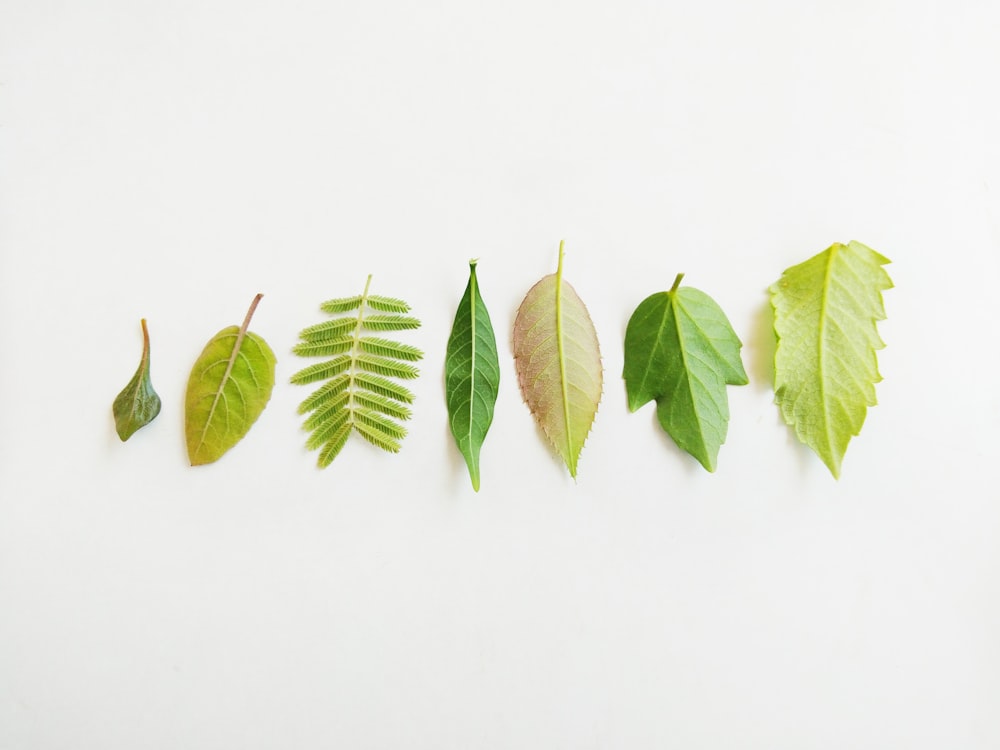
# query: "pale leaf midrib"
x,y
222,386
657,345
355,351
473,290
562,367
821,350
686,371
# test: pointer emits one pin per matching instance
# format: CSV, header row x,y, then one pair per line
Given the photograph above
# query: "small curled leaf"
x,y
138,404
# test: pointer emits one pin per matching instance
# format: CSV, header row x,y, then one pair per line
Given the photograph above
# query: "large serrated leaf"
x,y
138,404
825,367
472,375
361,394
558,363
681,351
229,386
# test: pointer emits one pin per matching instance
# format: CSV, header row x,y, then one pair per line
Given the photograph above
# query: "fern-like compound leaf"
x,y
558,363
361,392
825,368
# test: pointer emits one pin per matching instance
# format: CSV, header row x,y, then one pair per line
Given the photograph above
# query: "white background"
x,y
169,160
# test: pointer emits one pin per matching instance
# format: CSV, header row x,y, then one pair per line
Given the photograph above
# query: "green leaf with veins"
x,y
360,393
825,368
681,351
558,363
229,386
472,375
138,404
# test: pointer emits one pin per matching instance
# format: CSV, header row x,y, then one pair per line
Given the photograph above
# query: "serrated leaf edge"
x,y
571,458
835,460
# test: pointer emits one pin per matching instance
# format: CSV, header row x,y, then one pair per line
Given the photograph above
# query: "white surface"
x,y
169,160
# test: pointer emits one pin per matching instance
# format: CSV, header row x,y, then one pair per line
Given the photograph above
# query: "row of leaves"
x,y
680,351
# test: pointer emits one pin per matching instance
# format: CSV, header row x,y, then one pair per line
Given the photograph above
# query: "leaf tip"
x,y
634,400
833,463
124,432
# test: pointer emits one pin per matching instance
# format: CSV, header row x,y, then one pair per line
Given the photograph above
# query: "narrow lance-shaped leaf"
x,y
558,363
825,367
229,386
472,375
360,393
138,404
681,351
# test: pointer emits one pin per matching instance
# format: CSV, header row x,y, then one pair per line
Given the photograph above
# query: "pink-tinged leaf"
x,y
558,363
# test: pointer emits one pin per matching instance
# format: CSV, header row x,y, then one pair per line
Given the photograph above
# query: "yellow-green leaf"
x,y
825,368
558,363
229,386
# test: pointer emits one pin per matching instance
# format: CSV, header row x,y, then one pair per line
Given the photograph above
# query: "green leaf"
x,y
681,351
137,405
825,368
359,393
472,375
229,386
558,363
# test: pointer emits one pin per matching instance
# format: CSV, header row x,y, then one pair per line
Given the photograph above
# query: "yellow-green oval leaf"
x,y
825,368
229,386
558,363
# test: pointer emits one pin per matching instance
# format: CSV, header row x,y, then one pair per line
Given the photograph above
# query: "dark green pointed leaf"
x,y
138,404
681,351
229,386
472,375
